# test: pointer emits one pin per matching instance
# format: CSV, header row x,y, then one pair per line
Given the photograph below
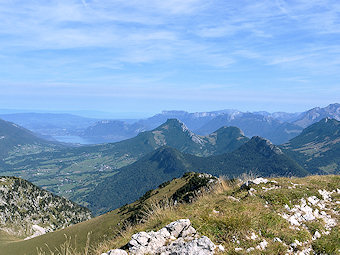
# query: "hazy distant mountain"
x,y
112,131
317,148
50,124
115,130
257,155
192,120
274,126
279,127
316,114
254,125
281,116
16,139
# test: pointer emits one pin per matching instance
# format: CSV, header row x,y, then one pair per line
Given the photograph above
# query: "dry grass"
x,y
67,248
229,216
230,223
157,214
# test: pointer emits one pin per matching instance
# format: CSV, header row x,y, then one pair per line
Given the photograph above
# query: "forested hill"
x,y
258,156
317,148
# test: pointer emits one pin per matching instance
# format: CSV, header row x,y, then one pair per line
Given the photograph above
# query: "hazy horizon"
x,y
127,115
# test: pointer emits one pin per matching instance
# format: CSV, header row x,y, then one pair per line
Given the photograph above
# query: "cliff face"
x,y
28,211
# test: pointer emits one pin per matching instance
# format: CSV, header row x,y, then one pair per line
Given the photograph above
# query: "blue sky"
x,y
146,56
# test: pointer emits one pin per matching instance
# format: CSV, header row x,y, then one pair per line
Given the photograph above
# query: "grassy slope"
x,y
235,221
230,226
101,228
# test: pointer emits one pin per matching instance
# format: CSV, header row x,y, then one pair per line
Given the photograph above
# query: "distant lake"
x,y
73,139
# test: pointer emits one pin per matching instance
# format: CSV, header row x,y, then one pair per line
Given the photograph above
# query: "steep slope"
x,y
110,225
316,114
317,148
258,156
269,216
74,172
16,139
254,125
27,210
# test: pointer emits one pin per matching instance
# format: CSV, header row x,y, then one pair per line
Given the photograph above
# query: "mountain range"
x,y
107,176
279,127
258,156
314,115
83,173
73,172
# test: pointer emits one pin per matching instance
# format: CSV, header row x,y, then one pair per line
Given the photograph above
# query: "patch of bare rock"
x,y
176,238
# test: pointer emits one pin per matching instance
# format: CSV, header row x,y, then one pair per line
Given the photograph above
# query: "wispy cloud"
x,y
177,42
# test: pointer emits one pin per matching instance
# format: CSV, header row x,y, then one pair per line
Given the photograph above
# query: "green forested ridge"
x,y
317,148
74,172
258,156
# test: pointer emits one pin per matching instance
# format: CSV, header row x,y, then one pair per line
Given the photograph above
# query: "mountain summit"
x,y
258,156
316,114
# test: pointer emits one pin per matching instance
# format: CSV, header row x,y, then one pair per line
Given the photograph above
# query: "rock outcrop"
x,y
28,211
177,238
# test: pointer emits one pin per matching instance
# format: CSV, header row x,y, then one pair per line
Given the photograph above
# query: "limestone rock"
x,y
116,252
256,181
176,238
201,246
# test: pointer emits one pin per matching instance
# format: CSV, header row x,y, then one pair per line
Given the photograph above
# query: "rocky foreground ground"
x,y
285,216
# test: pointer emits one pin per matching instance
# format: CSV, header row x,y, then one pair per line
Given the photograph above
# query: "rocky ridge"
x,y
28,211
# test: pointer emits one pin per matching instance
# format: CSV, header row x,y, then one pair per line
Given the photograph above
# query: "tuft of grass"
x,y
67,248
328,244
